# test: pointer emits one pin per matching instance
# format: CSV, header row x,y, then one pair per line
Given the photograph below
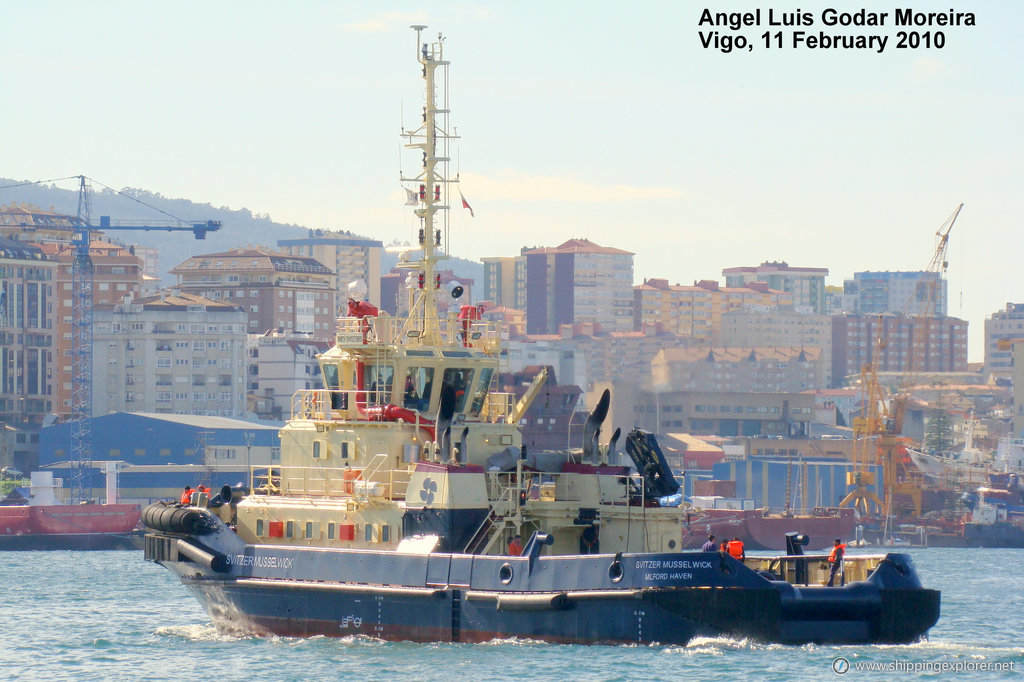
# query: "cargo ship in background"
x,y
33,519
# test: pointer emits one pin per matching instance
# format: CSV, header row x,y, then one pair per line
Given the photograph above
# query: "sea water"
x,y
115,616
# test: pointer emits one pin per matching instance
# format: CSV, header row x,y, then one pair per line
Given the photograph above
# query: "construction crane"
x,y
82,318
877,430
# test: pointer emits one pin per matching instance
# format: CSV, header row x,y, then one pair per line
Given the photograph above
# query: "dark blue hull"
x,y
449,615
652,616
642,598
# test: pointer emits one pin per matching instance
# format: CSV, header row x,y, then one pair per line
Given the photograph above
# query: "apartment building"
x,y
757,370
719,413
505,281
350,257
695,312
910,344
279,365
169,354
907,293
117,272
277,291
585,354
27,331
780,328
1002,329
578,282
1017,403
807,285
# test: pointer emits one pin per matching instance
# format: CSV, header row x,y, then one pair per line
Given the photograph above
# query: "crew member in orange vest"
x,y
186,495
736,549
835,558
515,548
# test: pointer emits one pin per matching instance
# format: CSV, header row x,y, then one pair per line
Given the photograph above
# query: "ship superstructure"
x,y
408,437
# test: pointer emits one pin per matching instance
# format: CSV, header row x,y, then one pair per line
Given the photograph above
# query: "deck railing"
x,y
813,569
324,405
479,335
372,482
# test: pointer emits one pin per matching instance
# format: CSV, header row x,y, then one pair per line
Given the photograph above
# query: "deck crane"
x,y
82,322
877,431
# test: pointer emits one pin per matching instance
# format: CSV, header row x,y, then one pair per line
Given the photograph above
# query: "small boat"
x,y
404,491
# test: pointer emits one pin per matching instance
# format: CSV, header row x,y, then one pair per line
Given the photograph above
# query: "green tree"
x,y
938,430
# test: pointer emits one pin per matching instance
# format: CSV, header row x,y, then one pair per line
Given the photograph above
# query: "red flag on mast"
x,y
465,204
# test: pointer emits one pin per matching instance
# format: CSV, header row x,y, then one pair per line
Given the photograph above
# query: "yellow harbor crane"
x,y
877,430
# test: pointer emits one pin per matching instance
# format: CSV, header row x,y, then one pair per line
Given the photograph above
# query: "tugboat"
x,y
403,491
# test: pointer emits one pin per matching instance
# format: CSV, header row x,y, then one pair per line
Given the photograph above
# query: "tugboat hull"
x,y
591,599
648,616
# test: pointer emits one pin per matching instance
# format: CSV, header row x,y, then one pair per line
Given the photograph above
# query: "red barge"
x,y
759,531
25,525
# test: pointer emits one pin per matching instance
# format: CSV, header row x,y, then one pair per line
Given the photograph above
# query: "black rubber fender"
x,y
175,519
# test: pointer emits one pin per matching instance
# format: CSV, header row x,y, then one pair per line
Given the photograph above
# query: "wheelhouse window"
x,y
378,380
419,382
460,380
331,382
480,394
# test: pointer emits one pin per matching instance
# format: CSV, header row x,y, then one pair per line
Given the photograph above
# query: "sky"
x,y
603,120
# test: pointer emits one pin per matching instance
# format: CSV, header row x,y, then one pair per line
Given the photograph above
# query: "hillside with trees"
x,y
239,227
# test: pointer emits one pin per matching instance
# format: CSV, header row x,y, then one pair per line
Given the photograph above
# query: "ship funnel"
x,y
443,428
609,454
592,427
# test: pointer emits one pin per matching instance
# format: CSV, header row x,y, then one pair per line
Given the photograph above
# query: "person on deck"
x,y
735,548
835,558
186,495
515,547
411,399
710,545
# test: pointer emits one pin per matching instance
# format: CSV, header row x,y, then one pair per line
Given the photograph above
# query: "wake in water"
x,y
199,633
515,641
715,646
209,633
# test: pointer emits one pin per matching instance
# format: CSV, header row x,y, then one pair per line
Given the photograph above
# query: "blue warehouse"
x,y
158,454
812,483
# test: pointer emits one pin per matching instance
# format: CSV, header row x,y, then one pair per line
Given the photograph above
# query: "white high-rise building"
x,y
169,354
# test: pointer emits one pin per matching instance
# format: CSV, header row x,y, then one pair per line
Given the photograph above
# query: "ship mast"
x,y
431,138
